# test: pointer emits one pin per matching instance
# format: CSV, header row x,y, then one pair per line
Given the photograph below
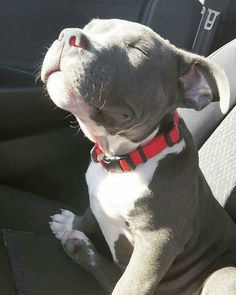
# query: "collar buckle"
x,y
112,163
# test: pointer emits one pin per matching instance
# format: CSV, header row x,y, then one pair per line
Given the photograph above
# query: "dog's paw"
x,y
62,223
79,247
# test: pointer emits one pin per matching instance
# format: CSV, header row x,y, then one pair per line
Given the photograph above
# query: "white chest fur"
x,y
113,195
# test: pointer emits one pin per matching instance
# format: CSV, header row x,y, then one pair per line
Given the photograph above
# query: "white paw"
x,y
62,223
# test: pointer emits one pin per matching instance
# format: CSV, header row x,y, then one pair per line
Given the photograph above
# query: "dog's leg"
x,y
153,254
222,281
67,221
79,247
71,230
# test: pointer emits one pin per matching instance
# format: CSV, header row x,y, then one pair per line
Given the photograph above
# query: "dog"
x,y
166,231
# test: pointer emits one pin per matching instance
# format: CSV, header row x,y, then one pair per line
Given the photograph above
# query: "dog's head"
x,y
120,77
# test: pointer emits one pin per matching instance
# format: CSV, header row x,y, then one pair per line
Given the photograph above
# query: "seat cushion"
x,y
218,163
40,266
20,210
7,286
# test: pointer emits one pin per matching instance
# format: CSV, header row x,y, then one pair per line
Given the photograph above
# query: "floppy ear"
x,y
202,82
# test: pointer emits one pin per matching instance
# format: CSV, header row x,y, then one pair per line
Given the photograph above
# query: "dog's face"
x,y
119,77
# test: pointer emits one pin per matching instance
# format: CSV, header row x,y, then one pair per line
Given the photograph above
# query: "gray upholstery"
x,y
218,162
32,260
21,210
40,267
7,286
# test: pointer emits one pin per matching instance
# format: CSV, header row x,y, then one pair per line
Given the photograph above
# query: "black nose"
x,y
74,38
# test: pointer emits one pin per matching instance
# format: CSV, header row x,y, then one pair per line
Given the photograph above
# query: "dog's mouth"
x,y
62,93
59,87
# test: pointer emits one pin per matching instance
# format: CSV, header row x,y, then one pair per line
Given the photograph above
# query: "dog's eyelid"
x,y
136,46
131,44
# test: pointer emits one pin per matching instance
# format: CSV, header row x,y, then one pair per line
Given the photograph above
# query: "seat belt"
x,y
213,13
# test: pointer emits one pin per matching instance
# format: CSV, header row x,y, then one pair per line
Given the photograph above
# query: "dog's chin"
x,y
63,95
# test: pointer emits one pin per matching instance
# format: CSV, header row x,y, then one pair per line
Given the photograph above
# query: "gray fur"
x,y
133,80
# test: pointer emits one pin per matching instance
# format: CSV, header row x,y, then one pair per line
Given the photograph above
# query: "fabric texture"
x,y
40,267
218,162
7,286
20,210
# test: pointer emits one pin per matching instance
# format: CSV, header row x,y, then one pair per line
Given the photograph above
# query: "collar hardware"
x,y
128,162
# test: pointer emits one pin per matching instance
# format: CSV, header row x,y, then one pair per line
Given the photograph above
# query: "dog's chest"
x,y
112,197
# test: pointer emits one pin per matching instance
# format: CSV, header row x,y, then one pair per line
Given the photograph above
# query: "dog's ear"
x,y
202,82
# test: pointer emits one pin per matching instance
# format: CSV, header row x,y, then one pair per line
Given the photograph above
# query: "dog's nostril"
x,y
80,41
74,42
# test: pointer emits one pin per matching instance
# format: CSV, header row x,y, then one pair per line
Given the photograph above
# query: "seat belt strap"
x,y
213,13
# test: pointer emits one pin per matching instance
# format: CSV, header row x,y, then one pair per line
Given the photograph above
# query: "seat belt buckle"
x,y
211,18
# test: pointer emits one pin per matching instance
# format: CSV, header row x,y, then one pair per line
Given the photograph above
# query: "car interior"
x,y
44,155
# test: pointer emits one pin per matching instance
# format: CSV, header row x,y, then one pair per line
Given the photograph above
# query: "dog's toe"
x,y
67,213
62,223
57,227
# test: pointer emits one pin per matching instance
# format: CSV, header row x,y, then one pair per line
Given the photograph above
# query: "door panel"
x,y
30,25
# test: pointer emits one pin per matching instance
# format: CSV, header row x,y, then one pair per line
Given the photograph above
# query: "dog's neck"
x,y
113,145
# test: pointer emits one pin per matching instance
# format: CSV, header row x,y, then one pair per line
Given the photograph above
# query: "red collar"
x,y
128,162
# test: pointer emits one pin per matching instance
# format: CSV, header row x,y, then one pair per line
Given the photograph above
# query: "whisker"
x,y
74,127
73,122
103,105
91,99
45,92
77,132
93,88
37,78
101,91
37,70
68,116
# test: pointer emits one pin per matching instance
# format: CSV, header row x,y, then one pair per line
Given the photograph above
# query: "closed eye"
x,y
130,45
116,115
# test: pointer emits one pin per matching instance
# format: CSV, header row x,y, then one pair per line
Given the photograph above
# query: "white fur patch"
x,y
62,223
113,195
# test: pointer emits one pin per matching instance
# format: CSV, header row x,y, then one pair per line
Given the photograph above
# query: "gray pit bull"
x,y
166,232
